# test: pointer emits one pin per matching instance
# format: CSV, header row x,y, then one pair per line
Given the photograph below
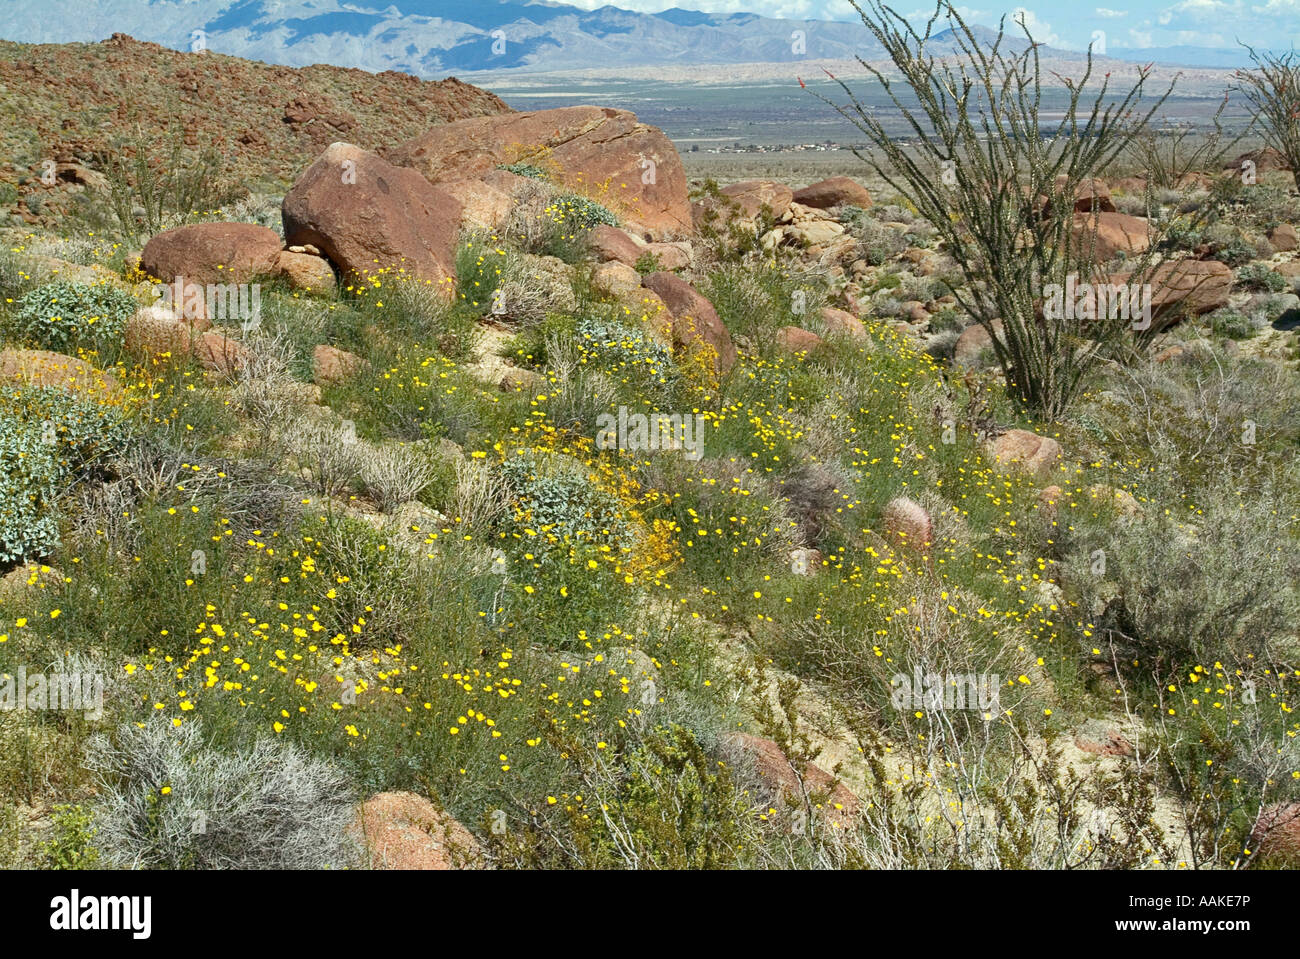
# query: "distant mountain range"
x,y
434,38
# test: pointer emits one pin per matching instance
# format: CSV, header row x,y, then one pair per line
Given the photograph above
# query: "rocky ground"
x,y
376,532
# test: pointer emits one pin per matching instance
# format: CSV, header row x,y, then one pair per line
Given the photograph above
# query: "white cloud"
x,y
1200,10
1108,13
1140,38
1040,31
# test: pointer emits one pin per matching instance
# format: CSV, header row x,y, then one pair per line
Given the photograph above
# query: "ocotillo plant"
x,y
1000,183
1272,89
1168,154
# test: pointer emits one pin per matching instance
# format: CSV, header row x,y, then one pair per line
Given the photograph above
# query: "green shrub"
x,y
72,844
63,316
1231,324
561,503
630,354
946,320
480,266
886,281
28,523
525,169
647,263
1236,252
676,807
581,213
46,435
1183,234
1259,278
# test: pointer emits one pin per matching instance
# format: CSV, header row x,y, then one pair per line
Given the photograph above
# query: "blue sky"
x,y
1272,24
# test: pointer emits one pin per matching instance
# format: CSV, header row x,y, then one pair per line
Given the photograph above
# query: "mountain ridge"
x,y
435,38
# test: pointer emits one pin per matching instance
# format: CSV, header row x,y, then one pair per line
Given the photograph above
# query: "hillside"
x,y
73,102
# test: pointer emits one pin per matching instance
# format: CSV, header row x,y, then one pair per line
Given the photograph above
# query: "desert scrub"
x,y
972,189
47,436
1231,324
1236,252
566,221
64,316
555,496
1259,278
525,169
666,804
628,354
583,213
756,300
72,846
480,266
1239,620
167,800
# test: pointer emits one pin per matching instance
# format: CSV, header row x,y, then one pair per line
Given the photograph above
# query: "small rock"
x,y
792,339
1027,451
841,323
615,278
1101,740
775,769
303,271
1283,237
806,562
401,830
517,380
608,243
330,365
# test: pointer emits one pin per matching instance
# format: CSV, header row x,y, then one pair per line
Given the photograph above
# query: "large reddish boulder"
x,y
752,195
630,166
836,191
365,213
212,253
1265,159
694,318
972,344
1131,185
401,830
1283,238
483,205
1184,288
1109,234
